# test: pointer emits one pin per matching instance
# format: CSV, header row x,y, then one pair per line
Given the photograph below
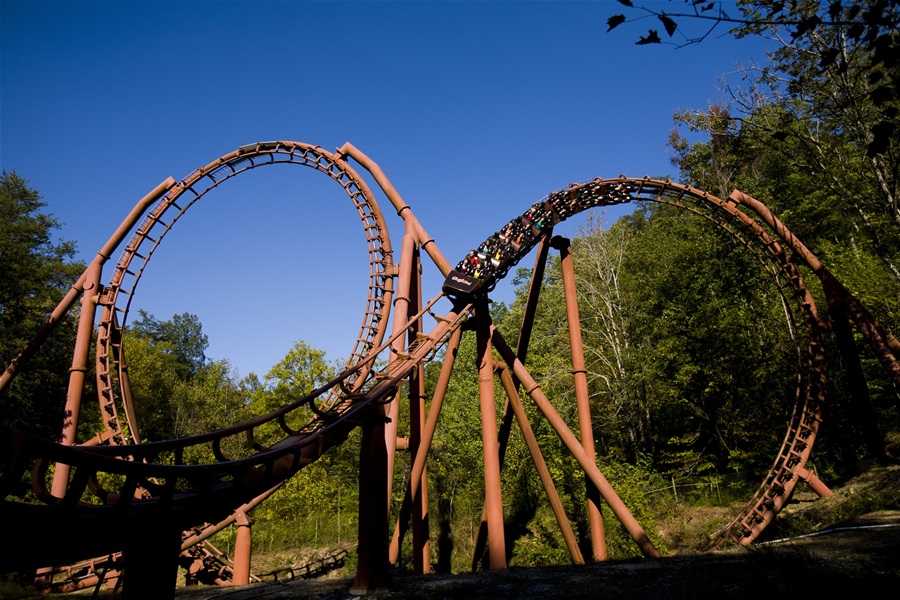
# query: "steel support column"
x,y
420,529
77,371
421,454
372,568
401,315
817,485
242,549
534,292
493,502
579,373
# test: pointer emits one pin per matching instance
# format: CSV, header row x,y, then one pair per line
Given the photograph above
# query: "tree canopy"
x,y
181,336
855,42
35,272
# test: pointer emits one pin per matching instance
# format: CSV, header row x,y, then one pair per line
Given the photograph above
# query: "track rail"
x,y
116,300
151,483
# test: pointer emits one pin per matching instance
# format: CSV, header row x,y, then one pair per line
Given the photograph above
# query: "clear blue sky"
x,y
475,110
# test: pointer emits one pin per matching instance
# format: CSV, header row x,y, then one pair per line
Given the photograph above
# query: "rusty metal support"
x,y
242,549
817,485
420,528
579,373
531,301
401,315
412,223
372,568
493,502
615,503
77,372
565,527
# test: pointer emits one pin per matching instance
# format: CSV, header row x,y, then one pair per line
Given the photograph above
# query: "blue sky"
x,y
475,110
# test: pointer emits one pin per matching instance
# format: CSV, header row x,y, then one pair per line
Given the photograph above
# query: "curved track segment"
x,y
157,491
480,270
116,300
331,409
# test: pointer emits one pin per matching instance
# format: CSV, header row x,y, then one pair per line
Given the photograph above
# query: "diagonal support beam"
x,y
559,512
418,468
615,503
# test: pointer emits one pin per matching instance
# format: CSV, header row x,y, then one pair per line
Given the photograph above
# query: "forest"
x,y
690,362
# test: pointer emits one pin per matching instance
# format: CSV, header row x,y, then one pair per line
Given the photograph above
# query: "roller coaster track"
x,y
118,295
184,495
496,255
121,490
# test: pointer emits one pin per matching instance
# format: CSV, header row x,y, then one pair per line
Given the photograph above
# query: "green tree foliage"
x,y
812,134
212,399
713,359
153,373
842,216
35,272
177,392
854,44
302,370
181,336
814,128
316,507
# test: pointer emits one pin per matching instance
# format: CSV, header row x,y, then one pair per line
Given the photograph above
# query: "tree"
x,y
825,190
302,370
712,361
153,373
35,272
212,399
851,47
182,336
316,501
176,391
813,134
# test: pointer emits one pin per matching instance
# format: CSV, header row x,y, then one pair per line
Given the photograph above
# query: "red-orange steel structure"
x,y
163,505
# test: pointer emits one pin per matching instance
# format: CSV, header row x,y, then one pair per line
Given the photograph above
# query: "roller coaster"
x,y
143,507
